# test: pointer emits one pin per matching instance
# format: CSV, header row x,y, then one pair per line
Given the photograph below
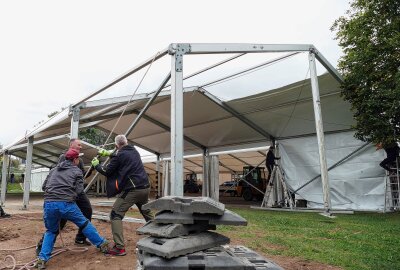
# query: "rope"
x,y
295,105
28,218
31,264
126,106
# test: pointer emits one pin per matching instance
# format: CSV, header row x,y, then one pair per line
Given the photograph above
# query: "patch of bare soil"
x,y
5,234
18,232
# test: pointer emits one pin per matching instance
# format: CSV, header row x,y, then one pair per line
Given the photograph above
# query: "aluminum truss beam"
x,y
124,76
211,67
220,48
226,167
250,69
22,146
236,114
130,141
327,65
147,106
239,159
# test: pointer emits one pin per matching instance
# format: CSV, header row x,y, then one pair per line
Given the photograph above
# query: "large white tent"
x,y
212,127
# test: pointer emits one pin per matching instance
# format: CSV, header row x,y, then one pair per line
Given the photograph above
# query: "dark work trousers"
x,y
270,167
124,201
392,154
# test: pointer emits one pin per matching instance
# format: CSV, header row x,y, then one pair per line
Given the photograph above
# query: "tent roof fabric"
x,y
282,113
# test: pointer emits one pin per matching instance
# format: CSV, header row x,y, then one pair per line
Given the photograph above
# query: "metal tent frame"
x,y
177,51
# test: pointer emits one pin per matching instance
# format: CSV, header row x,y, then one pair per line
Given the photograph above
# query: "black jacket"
x,y
124,172
271,158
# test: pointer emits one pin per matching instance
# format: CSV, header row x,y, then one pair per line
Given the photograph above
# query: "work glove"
x,y
104,153
95,162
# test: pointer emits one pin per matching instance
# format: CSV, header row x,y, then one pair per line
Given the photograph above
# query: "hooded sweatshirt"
x,y
63,183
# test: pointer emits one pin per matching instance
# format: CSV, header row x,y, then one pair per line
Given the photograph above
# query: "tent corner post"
x,y
320,132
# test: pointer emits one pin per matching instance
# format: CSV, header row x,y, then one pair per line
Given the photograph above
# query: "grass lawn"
x,y
14,188
359,241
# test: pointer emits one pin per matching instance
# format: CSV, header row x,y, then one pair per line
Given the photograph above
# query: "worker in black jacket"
x,y
270,161
392,153
126,179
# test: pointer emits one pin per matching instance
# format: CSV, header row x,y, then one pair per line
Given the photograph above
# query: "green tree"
x,y
96,137
369,35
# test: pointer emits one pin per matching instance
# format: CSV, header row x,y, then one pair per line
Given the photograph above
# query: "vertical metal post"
x,y
206,174
158,177
75,123
214,178
6,160
320,133
166,179
28,173
177,125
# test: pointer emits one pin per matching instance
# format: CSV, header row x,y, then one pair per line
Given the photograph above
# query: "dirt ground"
x,y
25,230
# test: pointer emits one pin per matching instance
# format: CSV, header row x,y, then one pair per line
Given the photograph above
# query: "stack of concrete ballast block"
x,y
180,238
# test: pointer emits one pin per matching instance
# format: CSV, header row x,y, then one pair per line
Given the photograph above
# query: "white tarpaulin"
x,y
38,177
357,183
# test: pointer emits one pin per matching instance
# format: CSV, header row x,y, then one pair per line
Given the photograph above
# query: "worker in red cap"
x,y
82,200
61,188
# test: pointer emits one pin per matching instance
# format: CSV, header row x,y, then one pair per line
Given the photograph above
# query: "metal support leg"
x,y
214,178
4,178
158,177
166,179
28,173
75,123
320,133
206,175
177,125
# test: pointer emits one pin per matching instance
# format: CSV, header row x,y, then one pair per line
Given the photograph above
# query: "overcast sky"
x,y
53,53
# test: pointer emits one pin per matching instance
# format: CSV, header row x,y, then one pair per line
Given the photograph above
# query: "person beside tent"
x,y
128,181
392,153
63,184
270,161
12,178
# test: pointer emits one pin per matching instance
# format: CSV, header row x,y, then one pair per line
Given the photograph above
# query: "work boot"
x,y
40,264
115,251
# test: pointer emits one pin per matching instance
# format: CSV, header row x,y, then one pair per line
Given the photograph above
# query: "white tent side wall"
x,y
37,179
358,183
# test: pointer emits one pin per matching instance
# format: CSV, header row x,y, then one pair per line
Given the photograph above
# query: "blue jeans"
x,y
53,213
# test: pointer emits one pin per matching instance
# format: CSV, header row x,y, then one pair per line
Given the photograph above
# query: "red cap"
x,y
72,154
